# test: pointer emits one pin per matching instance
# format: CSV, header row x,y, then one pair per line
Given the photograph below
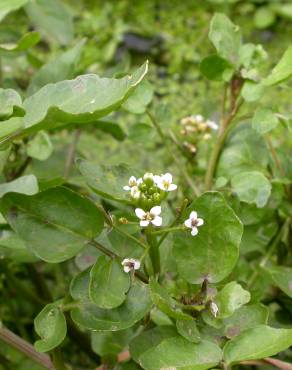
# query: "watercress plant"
x,y
186,264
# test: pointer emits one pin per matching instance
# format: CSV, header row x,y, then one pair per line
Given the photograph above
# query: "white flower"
x,y
164,182
135,192
193,222
213,125
130,264
149,217
133,182
214,309
199,118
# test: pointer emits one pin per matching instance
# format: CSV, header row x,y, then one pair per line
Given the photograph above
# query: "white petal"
x,y
125,261
139,181
193,215
188,223
172,187
199,118
137,265
157,221
157,179
155,210
194,231
127,269
144,223
140,213
200,222
132,179
160,185
127,188
167,177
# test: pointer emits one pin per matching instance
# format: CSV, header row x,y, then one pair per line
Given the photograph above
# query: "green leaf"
x,y
264,17
282,277
252,187
61,68
165,303
230,299
40,147
150,339
24,185
252,91
55,224
52,19
111,128
110,343
257,343
10,104
134,308
264,120
108,283
7,6
244,318
188,329
212,253
140,98
82,100
107,181
225,36
14,248
282,71
27,41
162,348
245,150
50,325
213,66
79,287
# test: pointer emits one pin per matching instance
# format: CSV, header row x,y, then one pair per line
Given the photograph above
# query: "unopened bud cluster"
x,y
150,190
196,128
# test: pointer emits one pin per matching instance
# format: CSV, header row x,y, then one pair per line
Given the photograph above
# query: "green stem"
x,y
58,360
180,166
129,236
168,230
175,221
26,348
215,154
154,253
269,252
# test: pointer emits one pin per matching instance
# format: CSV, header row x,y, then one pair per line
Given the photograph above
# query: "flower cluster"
x,y
196,128
150,190
147,193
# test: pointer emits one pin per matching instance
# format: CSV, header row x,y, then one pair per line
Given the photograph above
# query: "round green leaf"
x,y
10,103
244,318
163,348
40,147
282,277
108,283
282,71
134,308
225,36
110,343
252,187
24,185
264,120
107,181
50,325
212,253
213,66
231,298
257,343
188,329
264,17
55,224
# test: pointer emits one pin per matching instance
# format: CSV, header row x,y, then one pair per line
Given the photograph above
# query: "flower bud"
x,y
148,179
123,220
214,309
